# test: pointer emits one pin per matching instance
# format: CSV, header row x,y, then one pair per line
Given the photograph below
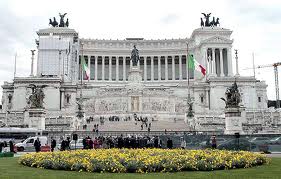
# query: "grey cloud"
x,y
16,34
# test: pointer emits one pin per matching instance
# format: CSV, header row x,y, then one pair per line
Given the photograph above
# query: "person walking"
x,y
169,143
67,143
11,144
91,144
37,145
53,144
1,146
214,142
183,143
63,145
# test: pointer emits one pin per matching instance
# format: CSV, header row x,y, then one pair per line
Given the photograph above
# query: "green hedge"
x,y
7,154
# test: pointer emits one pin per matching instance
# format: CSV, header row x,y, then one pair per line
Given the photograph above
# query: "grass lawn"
x,y
9,168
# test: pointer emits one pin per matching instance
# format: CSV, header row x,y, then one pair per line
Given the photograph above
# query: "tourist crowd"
x,y
122,142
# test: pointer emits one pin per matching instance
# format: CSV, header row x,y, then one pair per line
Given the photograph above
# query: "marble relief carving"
x,y
156,105
105,105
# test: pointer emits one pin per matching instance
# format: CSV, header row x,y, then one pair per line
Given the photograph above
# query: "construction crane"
x,y
274,65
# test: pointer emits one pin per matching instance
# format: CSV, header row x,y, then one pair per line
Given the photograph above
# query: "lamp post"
x,y
80,112
236,57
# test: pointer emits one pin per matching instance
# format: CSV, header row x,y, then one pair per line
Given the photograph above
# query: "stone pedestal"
x,y
233,120
190,121
135,75
36,118
135,88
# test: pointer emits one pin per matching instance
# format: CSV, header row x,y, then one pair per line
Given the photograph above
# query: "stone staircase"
x,y
160,125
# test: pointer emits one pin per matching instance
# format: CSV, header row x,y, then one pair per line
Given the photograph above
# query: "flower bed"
x,y
143,160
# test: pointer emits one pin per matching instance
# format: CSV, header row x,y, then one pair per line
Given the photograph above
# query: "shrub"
x,y
143,160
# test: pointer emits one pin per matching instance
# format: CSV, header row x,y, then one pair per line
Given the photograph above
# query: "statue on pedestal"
x,y
135,56
36,98
80,112
233,97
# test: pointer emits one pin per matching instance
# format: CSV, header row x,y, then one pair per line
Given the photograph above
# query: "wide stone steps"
x,y
160,125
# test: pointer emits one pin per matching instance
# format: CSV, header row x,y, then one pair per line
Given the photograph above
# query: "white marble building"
x,y
161,94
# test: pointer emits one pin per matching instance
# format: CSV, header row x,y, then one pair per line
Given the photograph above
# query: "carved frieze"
x,y
111,92
156,105
156,92
108,104
180,106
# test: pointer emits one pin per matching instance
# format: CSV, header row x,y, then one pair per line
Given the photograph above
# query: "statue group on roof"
x,y
54,22
208,23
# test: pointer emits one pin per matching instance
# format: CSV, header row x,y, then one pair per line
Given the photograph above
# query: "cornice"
x,y
57,31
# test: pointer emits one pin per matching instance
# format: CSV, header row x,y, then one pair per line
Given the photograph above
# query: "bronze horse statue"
x,y
233,97
53,23
207,22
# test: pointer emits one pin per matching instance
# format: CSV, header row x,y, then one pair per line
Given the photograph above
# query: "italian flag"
x,y
194,65
85,68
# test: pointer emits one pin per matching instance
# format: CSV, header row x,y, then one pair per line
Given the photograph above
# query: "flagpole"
x,y
187,58
15,68
80,114
81,69
254,68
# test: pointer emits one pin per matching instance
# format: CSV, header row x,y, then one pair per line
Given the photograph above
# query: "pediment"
x,y
217,40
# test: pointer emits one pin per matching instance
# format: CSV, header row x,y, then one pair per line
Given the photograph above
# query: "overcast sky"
x,y
256,26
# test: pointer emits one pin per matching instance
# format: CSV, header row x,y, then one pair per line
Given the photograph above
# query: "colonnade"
x,y
217,62
154,68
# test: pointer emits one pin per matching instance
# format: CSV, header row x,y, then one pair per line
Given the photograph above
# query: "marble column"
x,y
89,66
117,68
96,68
102,68
187,68
144,69
221,63
205,57
110,68
208,62
229,62
166,68
173,68
124,68
159,68
152,68
180,67
214,62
